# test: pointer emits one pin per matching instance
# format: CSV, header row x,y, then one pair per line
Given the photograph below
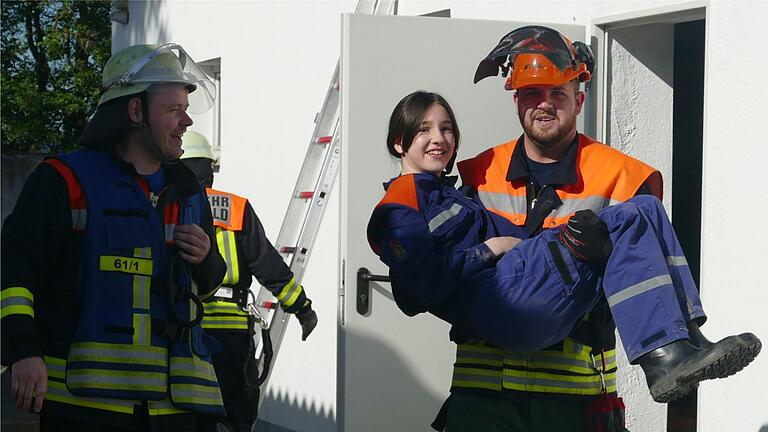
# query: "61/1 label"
x,y
123,264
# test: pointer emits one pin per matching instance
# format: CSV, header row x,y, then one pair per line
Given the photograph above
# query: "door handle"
x,y
364,276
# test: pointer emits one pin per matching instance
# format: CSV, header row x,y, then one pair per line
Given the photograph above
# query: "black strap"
x,y
540,207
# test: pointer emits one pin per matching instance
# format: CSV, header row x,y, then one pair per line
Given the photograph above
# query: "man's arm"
x,y
39,224
268,267
266,264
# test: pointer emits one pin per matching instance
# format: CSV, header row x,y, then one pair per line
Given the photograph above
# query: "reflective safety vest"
x,y
117,353
225,309
605,176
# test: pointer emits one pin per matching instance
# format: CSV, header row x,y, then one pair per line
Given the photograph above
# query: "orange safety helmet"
x,y
537,55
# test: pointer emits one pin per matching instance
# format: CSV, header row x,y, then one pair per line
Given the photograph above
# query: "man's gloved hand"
x,y
586,237
308,320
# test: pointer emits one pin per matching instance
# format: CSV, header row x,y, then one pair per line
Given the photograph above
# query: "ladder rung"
x,y
306,194
287,249
269,304
324,140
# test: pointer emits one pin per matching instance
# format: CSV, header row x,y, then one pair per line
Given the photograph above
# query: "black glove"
x,y
586,237
308,320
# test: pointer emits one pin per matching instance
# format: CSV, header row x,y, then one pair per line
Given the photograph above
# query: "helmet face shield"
x,y
535,55
167,63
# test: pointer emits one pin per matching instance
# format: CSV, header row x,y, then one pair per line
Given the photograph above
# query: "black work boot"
x,y
675,369
750,341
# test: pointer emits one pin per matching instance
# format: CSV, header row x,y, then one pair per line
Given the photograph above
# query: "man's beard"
x,y
551,136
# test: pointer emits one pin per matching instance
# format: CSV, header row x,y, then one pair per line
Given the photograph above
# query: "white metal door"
x,y
394,371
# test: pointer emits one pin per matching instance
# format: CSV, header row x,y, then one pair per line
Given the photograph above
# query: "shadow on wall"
x,y
372,365
147,23
382,369
764,428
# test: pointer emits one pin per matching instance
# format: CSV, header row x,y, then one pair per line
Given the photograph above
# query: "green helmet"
x,y
136,68
196,146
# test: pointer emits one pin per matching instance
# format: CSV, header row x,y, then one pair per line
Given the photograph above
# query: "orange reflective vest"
x,y
605,176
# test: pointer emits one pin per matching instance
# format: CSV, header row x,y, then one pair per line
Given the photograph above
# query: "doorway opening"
x,y
654,111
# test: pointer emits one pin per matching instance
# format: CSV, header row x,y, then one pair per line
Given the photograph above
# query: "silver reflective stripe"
x,y
443,217
169,232
572,205
91,377
199,394
79,218
677,261
106,354
481,378
16,301
220,308
638,289
54,367
552,360
503,202
141,292
287,297
544,382
199,370
517,204
142,323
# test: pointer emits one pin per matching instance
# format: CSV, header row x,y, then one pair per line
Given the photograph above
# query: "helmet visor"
x,y
526,40
170,63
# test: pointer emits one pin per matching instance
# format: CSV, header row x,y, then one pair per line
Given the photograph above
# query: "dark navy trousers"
x,y
539,292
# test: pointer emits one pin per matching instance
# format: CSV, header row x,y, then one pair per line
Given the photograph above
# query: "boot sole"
x,y
726,364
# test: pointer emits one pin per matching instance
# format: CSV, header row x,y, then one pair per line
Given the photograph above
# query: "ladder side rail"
x,y
309,234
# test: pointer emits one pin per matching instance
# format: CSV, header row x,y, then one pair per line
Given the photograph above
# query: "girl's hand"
x,y
500,245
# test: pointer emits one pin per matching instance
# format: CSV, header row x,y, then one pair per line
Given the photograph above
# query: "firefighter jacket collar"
x,y
440,181
565,174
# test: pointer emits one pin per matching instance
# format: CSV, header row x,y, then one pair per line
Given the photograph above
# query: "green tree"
x,y
52,57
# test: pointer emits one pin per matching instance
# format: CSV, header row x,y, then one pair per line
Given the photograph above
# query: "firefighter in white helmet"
x,y
248,254
104,257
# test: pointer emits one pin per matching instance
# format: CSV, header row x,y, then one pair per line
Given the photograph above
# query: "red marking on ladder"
x,y
324,140
268,304
308,194
288,249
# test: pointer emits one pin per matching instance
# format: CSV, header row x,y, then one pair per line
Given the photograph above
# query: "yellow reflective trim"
x,y
123,264
192,367
163,407
141,329
234,260
141,293
223,307
482,361
286,289
118,353
145,252
228,250
89,402
17,310
292,299
16,292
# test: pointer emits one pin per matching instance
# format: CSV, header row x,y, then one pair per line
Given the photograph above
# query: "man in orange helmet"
x,y
539,181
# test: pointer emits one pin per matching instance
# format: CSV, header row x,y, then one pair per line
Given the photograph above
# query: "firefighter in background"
x,y
247,253
98,260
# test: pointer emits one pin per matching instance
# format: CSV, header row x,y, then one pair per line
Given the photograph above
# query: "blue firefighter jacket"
x,y
431,236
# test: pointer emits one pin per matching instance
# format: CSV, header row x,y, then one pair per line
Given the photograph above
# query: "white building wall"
x,y
277,58
733,253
